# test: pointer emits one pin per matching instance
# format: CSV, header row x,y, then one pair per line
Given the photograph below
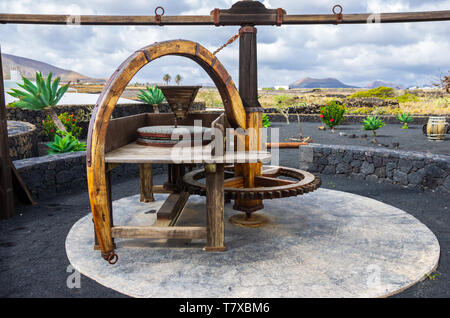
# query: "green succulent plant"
x,y
405,119
44,95
65,142
265,121
373,123
151,95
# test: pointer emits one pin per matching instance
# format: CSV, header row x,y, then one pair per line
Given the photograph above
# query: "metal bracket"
x,y
279,16
159,15
216,16
339,16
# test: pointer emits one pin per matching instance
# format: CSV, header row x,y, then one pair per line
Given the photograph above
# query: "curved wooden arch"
x,y
106,103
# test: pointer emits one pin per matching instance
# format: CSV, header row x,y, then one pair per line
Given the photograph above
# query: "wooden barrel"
x,y
436,128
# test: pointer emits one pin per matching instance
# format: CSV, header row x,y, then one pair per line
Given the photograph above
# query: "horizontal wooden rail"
x,y
151,232
270,145
209,19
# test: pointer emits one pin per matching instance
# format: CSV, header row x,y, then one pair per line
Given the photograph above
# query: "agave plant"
x,y
42,96
151,95
373,123
65,142
405,119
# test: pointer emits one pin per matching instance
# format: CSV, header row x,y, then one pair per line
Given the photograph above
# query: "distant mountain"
x,y
309,82
28,68
377,84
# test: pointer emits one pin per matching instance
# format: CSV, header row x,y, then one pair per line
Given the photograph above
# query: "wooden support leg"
x,y
100,197
215,233
146,182
109,200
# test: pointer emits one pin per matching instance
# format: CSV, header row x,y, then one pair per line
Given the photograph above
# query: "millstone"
x,y
161,136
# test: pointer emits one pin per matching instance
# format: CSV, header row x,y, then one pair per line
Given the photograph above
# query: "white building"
x,y
15,75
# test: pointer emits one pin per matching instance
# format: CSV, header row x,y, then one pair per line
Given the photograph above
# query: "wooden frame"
x,y
99,144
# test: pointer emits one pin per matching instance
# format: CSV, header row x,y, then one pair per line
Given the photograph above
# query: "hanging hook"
x,y
339,15
159,15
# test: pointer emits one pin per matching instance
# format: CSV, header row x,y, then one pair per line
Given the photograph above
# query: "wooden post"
x,y
146,182
215,233
6,185
248,89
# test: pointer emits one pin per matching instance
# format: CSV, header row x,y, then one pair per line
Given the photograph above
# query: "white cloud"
x,y
355,54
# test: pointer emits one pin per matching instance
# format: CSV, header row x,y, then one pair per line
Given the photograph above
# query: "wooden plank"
x,y
261,181
235,182
215,236
19,186
135,153
172,207
227,19
160,189
6,185
146,182
150,232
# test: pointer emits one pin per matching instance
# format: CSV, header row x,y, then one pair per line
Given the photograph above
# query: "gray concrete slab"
x,y
324,244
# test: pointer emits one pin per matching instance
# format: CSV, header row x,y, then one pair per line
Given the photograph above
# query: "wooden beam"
x,y
171,209
271,182
231,19
20,188
215,200
6,185
151,232
146,182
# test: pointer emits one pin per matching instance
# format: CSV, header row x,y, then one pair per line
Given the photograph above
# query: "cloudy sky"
x,y
409,53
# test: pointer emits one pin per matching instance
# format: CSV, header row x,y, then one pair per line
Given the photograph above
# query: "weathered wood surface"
x,y
171,209
19,186
180,98
6,185
151,232
98,127
135,153
359,18
146,182
215,236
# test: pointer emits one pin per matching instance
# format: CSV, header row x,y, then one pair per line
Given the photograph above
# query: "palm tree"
x,y
178,79
42,96
167,79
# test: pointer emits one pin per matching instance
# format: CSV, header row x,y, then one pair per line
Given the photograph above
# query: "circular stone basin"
x,y
22,139
322,244
166,132
161,136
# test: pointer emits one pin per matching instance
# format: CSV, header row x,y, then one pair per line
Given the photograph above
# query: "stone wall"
x,y
48,175
414,170
348,119
83,114
22,140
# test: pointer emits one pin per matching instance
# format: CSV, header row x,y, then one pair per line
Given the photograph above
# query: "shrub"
x,y
380,92
407,98
372,123
332,113
65,142
69,122
405,119
151,95
265,121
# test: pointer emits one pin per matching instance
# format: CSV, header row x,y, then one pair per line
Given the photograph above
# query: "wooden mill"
x,y
239,176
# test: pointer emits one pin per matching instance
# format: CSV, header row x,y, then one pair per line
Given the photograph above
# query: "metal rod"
x,y
400,17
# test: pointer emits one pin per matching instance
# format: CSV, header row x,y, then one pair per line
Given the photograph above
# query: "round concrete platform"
x,y
323,244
